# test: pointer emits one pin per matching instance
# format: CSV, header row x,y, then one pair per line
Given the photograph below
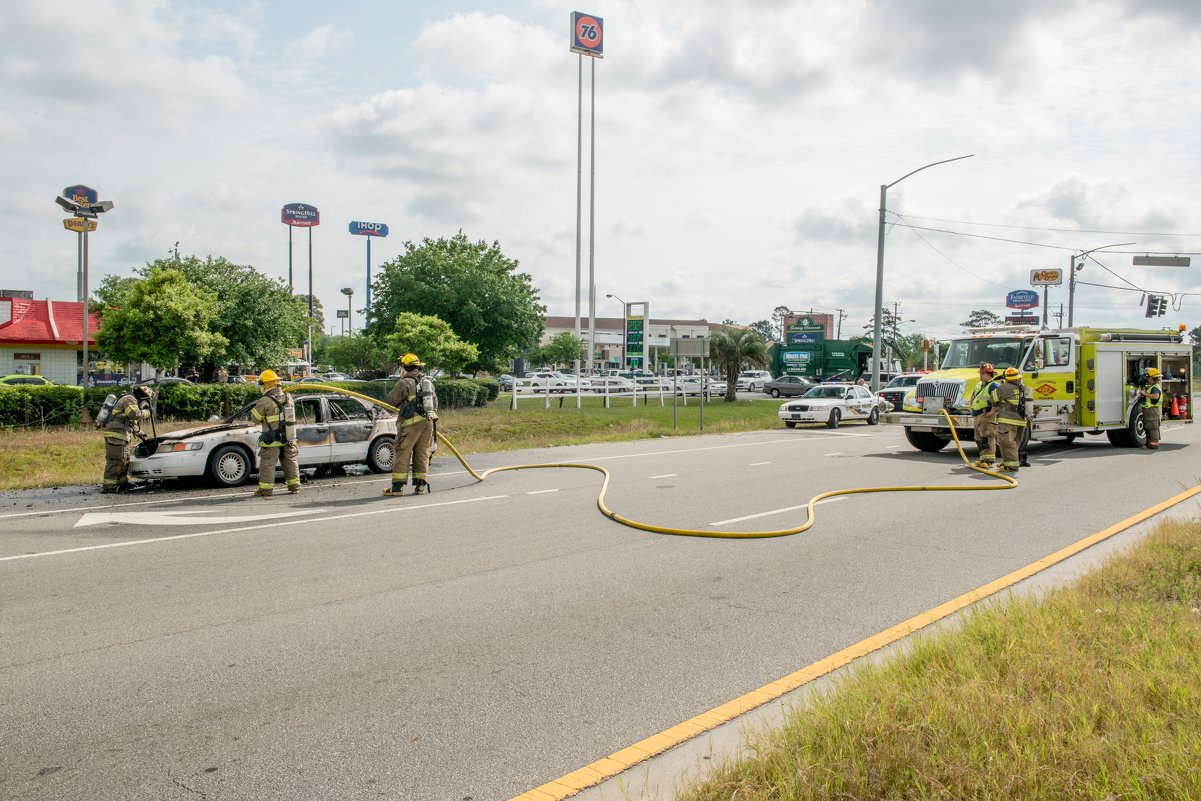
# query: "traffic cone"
x,y
1175,412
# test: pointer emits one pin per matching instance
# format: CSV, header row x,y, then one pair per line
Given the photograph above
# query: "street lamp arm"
x,y
1072,276
928,166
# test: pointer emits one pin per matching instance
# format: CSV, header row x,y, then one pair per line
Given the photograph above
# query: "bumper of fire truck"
x,y
927,422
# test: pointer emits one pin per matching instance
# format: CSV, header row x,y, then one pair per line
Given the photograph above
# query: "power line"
x,y
1058,230
948,258
1038,244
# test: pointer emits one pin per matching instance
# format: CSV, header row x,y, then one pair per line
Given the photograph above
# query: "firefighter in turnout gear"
x,y
414,396
123,424
277,441
1151,399
984,417
1009,396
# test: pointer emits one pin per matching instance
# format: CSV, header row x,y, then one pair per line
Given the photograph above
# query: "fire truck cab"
x,y
1078,381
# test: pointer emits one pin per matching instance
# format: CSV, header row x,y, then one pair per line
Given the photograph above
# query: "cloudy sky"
x,y
740,146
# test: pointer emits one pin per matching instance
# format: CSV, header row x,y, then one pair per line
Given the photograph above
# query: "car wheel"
x,y
790,423
874,417
230,466
382,454
775,393
835,418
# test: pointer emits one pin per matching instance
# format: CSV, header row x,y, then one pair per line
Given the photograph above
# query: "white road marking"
x,y
181,518
666,475
776,511
756,464
384,510
241,494
836,453
541,492
894,445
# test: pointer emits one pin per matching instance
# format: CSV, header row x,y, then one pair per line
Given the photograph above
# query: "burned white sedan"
x,y
832,404
331,430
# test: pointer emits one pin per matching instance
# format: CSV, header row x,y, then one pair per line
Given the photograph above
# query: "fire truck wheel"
x,y
1136,432
925,440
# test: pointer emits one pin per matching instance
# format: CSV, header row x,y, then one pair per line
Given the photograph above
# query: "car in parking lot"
x,y
752,380
832,404
331,430
25,380
693,384
788,385
552,381
895,390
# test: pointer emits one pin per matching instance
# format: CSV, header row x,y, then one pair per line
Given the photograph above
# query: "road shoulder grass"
x,y
1091,691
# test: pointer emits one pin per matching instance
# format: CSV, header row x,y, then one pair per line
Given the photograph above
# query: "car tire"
x,y
925,441
835,418
230,466
775,393
382,454
790,423
874,417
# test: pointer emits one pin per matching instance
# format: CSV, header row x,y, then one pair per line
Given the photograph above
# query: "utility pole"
x,y
1059,316
842,315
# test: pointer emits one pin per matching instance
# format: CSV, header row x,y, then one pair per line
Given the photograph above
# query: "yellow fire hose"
x,y
1008,483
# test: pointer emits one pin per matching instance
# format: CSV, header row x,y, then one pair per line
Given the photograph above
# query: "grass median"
x,y
1091,692
55,457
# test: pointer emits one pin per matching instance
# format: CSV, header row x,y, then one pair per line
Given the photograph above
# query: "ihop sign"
x,y
368,229
1022,299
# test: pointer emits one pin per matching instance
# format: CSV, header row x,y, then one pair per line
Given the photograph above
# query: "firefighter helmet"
x,y
1011,374
985,367
268,377
143,392
410,360
1153,373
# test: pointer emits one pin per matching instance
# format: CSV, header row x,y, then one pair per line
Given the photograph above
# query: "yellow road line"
x,y
610,766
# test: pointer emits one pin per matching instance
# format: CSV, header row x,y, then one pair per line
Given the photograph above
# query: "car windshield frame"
x,y
826,392
999,351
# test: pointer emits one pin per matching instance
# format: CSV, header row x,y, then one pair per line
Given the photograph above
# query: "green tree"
x,y
777,322
256,316
156,319
432,340
982,318
473,286
732,348
563,348
357,354
764,329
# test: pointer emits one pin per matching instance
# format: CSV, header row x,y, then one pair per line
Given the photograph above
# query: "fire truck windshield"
x,y
1000,352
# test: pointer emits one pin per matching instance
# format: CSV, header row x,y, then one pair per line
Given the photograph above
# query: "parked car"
x,y
833,403
505,380
165,381
752,380
336,377
330,430
551,381
611,383
693,384
895,390
25,380
788,385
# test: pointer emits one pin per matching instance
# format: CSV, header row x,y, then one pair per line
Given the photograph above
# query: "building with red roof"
x,y
44,337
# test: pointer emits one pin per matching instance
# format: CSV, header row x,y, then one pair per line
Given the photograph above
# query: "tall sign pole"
x,y
84,203
368,230
302,215
587,39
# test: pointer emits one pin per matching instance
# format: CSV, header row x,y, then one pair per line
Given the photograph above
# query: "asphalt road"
x,y
477,642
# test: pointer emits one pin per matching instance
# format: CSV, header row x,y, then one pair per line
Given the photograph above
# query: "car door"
x,y
860,402
350,426
313,436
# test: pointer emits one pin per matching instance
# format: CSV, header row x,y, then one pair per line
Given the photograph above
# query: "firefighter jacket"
x,y
1151,396
981,397
125,420
269,412
1010,399
414,396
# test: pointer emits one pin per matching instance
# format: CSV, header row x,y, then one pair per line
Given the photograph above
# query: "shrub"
x,y
28,405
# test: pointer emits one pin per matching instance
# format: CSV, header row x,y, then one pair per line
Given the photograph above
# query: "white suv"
x,y
752,380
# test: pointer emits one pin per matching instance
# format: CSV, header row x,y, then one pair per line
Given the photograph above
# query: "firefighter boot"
x,y
261,493
419,487
397,488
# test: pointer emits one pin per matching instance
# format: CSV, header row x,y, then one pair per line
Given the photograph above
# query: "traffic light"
x,y
1152,305
1163,305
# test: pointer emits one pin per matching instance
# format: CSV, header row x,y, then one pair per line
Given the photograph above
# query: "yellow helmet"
x,y
410,360
268,377
1011,374
1153,372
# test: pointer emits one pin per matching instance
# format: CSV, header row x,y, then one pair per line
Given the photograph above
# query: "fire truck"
x,y
1078,381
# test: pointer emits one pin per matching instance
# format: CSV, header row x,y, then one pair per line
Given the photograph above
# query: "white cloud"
x,y
317,44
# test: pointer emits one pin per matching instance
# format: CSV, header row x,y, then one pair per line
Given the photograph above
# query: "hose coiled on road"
x,y
1008,482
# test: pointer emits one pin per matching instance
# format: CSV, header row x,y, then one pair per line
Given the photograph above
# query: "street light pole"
x,y
625,312
349,293
1072,275
880,266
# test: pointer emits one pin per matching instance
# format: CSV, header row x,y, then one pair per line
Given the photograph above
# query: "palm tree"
x,y
732,348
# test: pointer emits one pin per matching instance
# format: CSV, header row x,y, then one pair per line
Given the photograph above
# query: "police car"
x,y
833,404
